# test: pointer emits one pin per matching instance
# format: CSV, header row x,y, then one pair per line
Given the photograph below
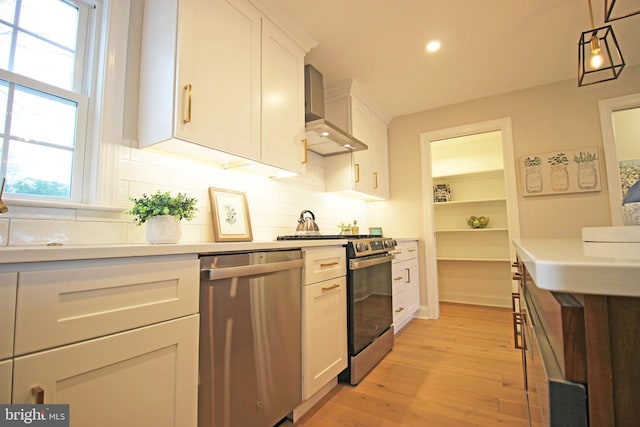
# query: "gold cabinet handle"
x,y
411,250
399,309
408,275
304,152
375,174
518,336
330,288
188,88
329,264
357,168
38,392
515,302
397,278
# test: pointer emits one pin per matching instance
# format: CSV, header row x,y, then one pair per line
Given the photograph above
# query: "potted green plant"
x,y
162,212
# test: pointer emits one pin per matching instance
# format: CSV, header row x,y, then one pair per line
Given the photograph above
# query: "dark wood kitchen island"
x,y
583,299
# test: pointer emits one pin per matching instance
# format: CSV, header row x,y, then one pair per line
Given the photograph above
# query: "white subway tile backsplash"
x,y
16,211
42,232
274,204
4,232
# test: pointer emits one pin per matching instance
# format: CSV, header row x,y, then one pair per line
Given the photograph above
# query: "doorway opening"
x,y
470,205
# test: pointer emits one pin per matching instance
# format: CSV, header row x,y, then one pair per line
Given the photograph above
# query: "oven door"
x,y
370,308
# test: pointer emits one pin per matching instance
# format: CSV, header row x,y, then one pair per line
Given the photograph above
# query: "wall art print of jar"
x,y
587,173
559,173
533,174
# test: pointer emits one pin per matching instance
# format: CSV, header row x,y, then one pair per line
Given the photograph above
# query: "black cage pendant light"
x,y
599,56
623,11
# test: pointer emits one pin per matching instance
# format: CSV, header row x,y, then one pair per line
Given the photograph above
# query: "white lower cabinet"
x,y
406,283
8,287
143,377
116,339
6,371
324,307
325,319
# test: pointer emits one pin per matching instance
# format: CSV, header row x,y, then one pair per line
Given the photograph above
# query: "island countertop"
x,y
574,266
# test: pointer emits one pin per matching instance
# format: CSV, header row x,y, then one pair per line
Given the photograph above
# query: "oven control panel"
x,y
372,246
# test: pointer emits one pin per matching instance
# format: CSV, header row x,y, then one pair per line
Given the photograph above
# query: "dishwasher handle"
x,y
253,269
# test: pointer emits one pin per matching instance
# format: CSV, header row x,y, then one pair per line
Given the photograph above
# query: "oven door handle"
x,y
357,264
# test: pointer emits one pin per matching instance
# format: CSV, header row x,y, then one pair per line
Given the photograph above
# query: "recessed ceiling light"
x,y
433,46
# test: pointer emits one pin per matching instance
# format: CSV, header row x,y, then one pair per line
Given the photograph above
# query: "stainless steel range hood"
x,y
323,137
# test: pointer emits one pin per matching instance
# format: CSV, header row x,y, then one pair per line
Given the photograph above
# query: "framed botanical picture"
x,y
230,215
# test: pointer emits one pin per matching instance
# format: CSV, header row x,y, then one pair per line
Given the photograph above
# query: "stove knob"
x,y
362,246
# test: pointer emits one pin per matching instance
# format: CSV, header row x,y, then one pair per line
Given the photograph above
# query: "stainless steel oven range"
x,y
369,301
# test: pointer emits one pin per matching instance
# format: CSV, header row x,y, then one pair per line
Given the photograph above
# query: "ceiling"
x,y
488,47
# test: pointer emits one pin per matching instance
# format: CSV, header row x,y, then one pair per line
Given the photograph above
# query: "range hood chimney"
x,y
323,137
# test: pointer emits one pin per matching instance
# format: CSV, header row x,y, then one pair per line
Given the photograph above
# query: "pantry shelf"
x,y
473,230
474,259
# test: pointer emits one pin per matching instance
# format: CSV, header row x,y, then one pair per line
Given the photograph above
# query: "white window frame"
x,y
95,173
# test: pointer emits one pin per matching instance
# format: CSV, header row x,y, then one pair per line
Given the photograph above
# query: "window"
x,y
45,48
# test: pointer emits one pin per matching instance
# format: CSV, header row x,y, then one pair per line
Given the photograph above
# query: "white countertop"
x,y
19,254
574,266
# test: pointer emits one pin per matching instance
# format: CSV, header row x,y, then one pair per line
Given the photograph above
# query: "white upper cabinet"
x,y
282,100
210,77
365,173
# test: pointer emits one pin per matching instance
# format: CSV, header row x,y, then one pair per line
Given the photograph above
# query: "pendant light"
x,y
599,56
608,11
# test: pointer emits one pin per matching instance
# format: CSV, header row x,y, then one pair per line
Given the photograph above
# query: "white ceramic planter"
x,y
163,229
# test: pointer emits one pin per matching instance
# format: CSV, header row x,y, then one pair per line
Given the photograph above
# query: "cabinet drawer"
x,y
399,311
86,299
104,379
562,320
406,250
8,283
324,264
397,278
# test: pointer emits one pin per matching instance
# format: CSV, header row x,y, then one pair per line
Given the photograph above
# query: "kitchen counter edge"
x,y
21,254
574,266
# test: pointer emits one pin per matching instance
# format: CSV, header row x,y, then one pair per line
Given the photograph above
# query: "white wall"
x,y
545,118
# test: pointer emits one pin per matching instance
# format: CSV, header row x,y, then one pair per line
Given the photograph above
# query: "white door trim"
x,y
504,126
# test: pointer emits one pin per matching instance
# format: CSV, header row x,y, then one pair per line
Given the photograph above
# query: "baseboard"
x,y
476,300
306,405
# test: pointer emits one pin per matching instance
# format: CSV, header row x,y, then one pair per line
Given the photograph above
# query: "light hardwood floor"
x,y
460,370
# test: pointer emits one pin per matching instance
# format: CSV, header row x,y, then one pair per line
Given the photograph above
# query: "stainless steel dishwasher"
x,y
250,338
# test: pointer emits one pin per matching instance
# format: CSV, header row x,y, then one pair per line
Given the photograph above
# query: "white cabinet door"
x,y
72,301
364,171
411,286
6,370
282,100
379,157
214,100
359,128
406,283
145,377
398,296
8,284
325,333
